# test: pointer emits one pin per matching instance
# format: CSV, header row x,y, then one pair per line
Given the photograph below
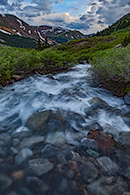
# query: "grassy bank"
x,y
24,61
112,67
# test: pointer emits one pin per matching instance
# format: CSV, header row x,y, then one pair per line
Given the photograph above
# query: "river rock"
x,y
40,166
106,143
36,185
31,141
5,137
99,103
87,143
124,139
15,141
127,98
38,120
56,138
49,151
110,167
92,153
117,187
17,77
88,171
23,155
56,123
18,175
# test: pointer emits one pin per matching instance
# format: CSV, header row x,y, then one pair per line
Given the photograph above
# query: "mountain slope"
x,y
12,25
122,25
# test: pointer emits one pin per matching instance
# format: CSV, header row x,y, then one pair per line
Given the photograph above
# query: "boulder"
x,y
37,121
99,103
40,166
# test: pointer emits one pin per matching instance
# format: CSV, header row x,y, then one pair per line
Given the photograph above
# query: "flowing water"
x,y
69,91
84,106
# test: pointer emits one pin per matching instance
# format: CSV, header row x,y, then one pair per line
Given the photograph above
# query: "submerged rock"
x,y
110,167
49,151
99,103
5,182
23,155
88,171
31,141
105,142
87,143
38,120
40,166
117,186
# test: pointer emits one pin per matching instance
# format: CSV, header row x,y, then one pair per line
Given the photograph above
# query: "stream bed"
x,y
62,134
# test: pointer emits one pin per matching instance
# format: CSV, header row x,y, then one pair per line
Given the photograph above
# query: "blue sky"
x,y
88,16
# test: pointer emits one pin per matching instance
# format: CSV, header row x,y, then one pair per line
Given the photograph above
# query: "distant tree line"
x,y
120,24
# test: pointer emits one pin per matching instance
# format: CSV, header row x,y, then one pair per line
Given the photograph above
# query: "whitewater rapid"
x,y
67,91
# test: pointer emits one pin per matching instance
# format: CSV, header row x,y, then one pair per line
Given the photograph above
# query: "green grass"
x,y
113,68
15,60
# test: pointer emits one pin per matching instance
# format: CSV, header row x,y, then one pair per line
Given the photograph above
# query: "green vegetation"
x,y
126,40
113,68
17,60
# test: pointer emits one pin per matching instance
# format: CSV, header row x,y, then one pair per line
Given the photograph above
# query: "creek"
x,y
48,156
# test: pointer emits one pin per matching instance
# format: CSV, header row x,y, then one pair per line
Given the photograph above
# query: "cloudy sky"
x,y
88,16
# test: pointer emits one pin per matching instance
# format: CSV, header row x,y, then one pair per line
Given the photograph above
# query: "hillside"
x,y
122,25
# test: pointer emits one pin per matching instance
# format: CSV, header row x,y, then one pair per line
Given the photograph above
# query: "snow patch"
x,y
19,22
29,32
3,31
14,30
59,31
18,33
21,25
41,36
72,37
